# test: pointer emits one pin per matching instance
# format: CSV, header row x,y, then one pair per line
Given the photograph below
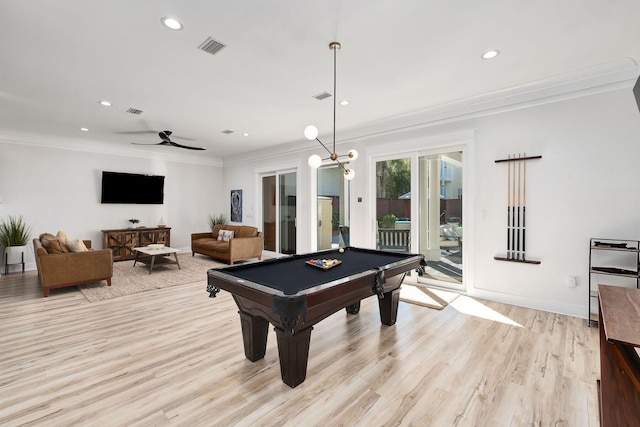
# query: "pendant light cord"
x,y
335,52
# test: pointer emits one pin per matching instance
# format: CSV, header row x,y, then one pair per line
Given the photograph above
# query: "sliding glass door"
x,y
279,207
419,210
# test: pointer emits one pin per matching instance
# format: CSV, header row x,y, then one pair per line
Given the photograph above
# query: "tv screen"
x,y
120,187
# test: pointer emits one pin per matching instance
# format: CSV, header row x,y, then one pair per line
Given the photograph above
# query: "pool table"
x,y
293,296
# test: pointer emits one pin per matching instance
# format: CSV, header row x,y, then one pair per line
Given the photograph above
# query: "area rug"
x,y
128,279
427,297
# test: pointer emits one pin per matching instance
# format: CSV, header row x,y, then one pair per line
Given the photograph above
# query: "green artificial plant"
x,y
217,219
14,231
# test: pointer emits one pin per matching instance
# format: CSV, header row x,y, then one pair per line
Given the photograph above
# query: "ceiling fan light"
x,y
349,174
314,161
311,132
352,154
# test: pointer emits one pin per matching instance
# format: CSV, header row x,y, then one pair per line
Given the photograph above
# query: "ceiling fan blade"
x,y
184,138
164,136
175,144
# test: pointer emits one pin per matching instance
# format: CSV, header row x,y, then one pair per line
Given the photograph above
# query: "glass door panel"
x,y
287,193
269,212
333,207
393,205
279,212
440,216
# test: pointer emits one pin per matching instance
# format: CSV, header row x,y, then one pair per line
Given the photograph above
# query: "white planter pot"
x,y
14,254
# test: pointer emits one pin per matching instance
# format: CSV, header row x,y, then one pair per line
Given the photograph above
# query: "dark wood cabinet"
x,y
122,241
619,389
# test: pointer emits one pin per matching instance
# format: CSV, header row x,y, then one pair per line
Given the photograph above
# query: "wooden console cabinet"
x,y
122,241
619,358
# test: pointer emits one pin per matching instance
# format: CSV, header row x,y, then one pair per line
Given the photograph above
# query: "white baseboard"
x,y
544,305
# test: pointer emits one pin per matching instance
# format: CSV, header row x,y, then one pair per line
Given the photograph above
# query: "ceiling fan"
x,y
164,136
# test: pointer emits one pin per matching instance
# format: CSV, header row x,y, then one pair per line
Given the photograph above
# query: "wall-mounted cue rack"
x,y
516,208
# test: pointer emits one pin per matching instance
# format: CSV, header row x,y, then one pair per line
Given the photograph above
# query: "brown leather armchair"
x,y
58,270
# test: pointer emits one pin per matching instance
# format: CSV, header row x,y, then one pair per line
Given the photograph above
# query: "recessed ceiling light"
x,y
490,54
245,134
84,129
344,102
171,23
105,103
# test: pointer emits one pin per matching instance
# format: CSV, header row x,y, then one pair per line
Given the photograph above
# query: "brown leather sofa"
x,y
58,270
247,242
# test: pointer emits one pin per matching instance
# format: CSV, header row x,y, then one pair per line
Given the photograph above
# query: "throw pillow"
x,y
45,239
53,244
55,247
62,236
225,235
76,245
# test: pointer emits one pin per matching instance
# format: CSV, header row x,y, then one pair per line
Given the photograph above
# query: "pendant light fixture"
x,y
311,132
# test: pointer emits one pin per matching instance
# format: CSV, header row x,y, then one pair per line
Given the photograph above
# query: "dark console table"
x,y
122,241
619,321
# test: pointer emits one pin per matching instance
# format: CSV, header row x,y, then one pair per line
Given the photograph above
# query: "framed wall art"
x,y
236,205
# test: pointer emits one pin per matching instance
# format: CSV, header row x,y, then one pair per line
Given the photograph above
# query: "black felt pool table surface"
x,y
291,275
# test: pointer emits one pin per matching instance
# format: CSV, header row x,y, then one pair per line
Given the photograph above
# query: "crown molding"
x,y
606,77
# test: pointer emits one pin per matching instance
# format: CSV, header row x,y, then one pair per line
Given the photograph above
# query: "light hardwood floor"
x,y
174,357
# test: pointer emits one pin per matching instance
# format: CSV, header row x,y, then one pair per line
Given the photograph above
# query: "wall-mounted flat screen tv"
x,y
118,187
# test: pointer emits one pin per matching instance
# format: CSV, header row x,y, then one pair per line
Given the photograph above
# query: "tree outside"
x,y
394,178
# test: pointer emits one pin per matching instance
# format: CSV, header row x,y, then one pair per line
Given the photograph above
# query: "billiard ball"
x,y
341,250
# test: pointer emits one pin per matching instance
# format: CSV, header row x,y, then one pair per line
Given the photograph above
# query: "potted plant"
x,y
389,221
133,222
14,236
217,219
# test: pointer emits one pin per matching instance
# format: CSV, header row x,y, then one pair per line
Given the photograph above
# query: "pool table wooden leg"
x,y
293,351
254,335
389,307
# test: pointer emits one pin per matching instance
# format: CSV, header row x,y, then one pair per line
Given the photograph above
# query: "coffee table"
x,y
159,255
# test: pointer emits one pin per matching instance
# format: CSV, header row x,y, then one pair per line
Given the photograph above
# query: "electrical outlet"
x,y
572,281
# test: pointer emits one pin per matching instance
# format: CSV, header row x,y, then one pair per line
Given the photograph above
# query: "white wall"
x,y
58,189
584,186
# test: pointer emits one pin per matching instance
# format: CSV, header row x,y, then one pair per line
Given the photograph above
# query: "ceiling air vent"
x,y
227,131
321,96
134,111
211,46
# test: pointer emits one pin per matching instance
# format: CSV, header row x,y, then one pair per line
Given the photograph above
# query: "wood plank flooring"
x,y
174,357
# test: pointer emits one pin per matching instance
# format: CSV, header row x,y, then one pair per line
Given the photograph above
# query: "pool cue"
x,y
524,204
518,229
513,209
509,208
